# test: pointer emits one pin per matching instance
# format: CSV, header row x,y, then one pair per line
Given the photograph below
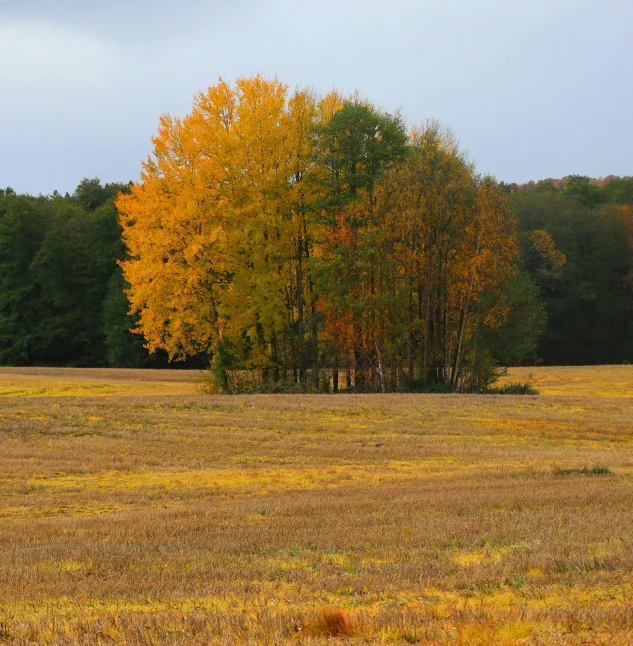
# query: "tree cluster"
x,y
300,237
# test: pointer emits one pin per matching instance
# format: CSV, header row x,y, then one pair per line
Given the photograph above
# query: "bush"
x,y
515,388
584,471
245,382
270,387
422,386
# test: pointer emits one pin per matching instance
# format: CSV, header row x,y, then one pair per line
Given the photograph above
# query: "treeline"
x,y
316,243
62,299
589,300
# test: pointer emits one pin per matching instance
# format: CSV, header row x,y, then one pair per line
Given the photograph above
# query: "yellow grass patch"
x,y
577,381
81,382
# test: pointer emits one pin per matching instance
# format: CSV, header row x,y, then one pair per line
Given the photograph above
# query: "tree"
x,y
353,150
424,249
218,231
582,190
587,299
23,224
71,269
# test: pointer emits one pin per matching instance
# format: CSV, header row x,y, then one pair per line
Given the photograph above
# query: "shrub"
x,y
515,388
584,471
422,386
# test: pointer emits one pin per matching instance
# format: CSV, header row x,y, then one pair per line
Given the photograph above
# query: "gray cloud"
x,y
531,89
123,20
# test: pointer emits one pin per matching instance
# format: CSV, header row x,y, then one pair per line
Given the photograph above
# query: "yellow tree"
x,y
216,229
174,225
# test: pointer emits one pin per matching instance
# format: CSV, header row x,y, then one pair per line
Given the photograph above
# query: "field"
x,y
134,510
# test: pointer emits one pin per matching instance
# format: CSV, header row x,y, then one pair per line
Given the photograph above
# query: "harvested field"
x,y
577,381
135,511
52,382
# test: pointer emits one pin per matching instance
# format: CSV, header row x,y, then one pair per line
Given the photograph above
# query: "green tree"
x,y
354,149
618,190
123,349
23,225
517,339
581,189
589,313
72,266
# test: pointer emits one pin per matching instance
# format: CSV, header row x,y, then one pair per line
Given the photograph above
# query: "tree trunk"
x,y
214,320
380,371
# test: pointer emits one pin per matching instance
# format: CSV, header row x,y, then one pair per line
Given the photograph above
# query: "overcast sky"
x,y
532,89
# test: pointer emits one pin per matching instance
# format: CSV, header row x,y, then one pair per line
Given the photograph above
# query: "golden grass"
x,y
577,381
142,517
77,382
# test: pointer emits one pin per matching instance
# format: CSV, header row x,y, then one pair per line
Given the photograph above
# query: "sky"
x,y
531,89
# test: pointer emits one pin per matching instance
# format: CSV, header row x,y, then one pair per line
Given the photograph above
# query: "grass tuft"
x,y
331,622
584,471
5,635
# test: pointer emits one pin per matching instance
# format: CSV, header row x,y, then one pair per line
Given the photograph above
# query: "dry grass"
x,y
139,518
577,381
77,382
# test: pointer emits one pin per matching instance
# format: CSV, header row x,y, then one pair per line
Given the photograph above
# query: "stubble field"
x,y
134,510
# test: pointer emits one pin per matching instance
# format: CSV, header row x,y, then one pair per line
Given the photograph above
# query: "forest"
x,y
295,242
